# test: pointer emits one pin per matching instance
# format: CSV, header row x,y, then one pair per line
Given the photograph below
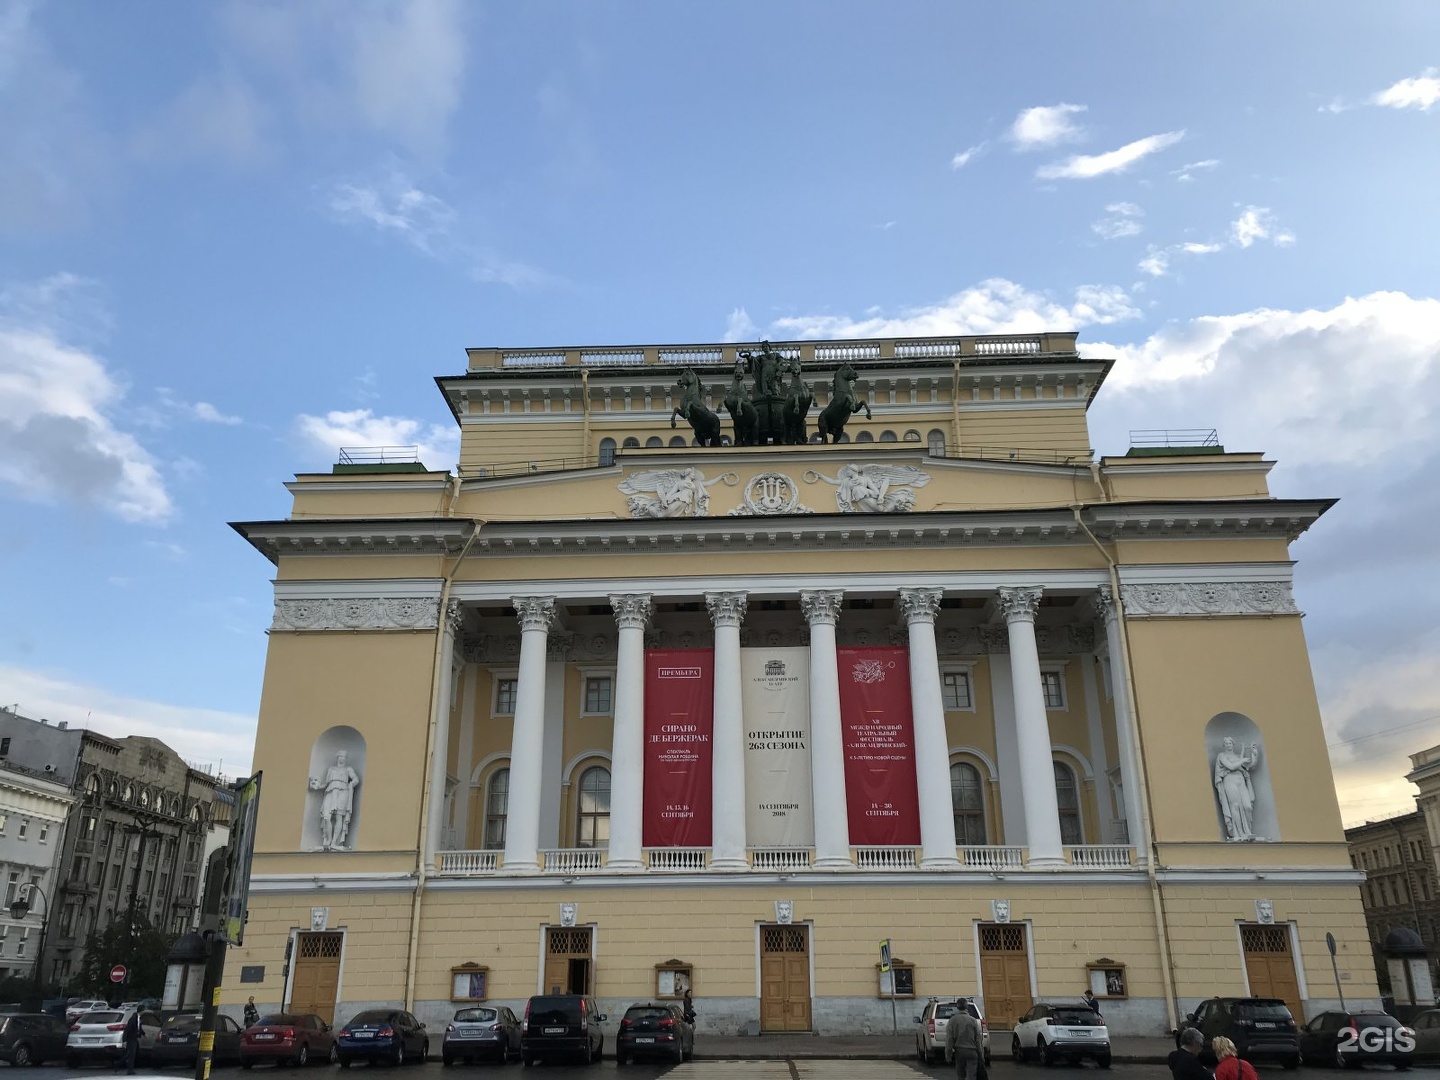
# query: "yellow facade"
x,y
1136,609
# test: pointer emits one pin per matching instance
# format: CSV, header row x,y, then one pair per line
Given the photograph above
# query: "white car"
x,y
79,1008
1052,1032
100,1035
934,1019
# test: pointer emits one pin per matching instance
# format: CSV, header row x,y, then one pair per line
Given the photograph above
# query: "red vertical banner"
x,y
679,723
875,719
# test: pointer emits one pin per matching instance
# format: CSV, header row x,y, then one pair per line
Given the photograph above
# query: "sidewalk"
x,y
1134,1051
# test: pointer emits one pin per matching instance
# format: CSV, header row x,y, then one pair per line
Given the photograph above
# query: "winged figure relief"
x,y
875,489
669,493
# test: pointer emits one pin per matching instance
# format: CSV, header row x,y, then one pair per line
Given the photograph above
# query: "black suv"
x,y
557,1025
654,1029
1262,1029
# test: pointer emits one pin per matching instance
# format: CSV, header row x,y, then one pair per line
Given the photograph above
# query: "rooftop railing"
x,y
1173,437
379,455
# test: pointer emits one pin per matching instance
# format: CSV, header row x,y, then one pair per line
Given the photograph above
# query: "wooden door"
x,y
1270,965
317,975
568,966
784,978
1004,973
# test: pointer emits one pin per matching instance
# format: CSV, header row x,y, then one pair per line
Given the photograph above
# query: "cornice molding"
x,y
1201,598
356,613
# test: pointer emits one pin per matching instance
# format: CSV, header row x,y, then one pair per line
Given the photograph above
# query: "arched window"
x,y
607,451
593,823
497,801
912,435
144,798
129,792
654,441
631,443
968,799
92,787
843,437
864,436
677,440
937,443
888,436
1067,797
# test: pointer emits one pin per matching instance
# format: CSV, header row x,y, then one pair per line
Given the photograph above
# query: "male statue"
x,y
336,805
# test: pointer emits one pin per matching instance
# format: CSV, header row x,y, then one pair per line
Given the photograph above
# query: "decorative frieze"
x,y
873,489
1209,598
361,613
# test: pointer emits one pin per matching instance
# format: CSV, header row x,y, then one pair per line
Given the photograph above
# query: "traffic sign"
x,y
885,955
118,973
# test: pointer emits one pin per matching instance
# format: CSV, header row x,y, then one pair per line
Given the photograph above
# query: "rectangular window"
x,y
5,746
505,696
192,851
108,833
44,833
87,827
4,933
114,877
24,938
597,694
955,689
3,819
12,886
1053,683
23,829
67,919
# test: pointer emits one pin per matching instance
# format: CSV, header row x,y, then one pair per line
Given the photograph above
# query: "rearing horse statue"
x,y
798,400
742,411
843,405
705,423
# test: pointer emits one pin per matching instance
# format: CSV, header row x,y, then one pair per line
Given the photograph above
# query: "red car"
x,y
299,1039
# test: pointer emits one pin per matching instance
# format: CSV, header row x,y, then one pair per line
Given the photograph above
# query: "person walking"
x,y
688,1005
1089,1001
252,1014
1231,1066
963,1042
130,1042
1185,1061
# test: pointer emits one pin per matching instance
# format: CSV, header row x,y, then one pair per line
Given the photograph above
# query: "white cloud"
x,y
1156,263
224,740
397,207
1420,92
203,410
740,327
1089,166
1258,223
1186,173
220,117
964,157
1121,221
1046,125
995,306
1193,248
438,447
57,438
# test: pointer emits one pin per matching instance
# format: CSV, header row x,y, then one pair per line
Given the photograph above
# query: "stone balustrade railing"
x,y
677,858
1100,856
886,858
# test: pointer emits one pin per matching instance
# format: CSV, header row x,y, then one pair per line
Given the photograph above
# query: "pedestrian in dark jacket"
x,y
1185,1062
130,1042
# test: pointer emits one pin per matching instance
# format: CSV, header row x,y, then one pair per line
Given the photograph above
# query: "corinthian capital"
x,y
1019,604
821,606
1105,603
632,610
454,616
535,612
920,605
726,608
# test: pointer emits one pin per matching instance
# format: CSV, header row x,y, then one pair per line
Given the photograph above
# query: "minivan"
x,y
561,1025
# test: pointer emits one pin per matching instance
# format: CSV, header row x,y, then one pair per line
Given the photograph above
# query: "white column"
x,y
932,745
467,755
1099,756
440,750
1124,726
627,749
1032,729
527,742
827,740
727,843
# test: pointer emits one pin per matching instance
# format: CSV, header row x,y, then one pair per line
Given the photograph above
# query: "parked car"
x,y
179,1040
649,1029
935,1018
1262,1029
1347,1040
1055,1032
76,1009
481,1031
299,1038
32,1038
101,1034
374,1035
561,1025
1427,1035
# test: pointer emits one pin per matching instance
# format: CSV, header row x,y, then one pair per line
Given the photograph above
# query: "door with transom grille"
x,y
1004,973
1270,965
317,974
569,961
784,978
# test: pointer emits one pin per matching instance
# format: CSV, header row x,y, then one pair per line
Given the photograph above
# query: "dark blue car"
x,y
375,1035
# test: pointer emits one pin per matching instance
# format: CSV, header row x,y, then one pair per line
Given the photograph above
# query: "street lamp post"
x,y
19,910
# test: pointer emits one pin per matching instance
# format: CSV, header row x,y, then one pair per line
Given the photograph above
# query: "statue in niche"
x,y
1234,788
337,804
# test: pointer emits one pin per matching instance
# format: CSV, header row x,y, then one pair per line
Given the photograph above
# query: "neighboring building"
x,y
610,712
1401,888
33,812
140,820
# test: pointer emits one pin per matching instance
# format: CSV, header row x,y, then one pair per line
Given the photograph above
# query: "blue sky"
x,y
236,236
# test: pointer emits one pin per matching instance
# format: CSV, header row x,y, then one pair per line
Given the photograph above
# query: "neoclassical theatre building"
x,y
715,666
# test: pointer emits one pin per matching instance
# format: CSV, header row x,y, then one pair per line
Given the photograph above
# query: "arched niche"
x,y
324,756
1240,779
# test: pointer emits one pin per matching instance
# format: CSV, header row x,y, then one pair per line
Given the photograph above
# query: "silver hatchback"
x,y
101,1034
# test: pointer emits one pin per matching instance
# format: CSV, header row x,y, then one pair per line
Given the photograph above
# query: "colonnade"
x,y
821,609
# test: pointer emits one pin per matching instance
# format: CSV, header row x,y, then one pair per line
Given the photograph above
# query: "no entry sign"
x,y
117,973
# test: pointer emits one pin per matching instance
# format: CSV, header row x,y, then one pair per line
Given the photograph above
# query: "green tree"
x,y
142,950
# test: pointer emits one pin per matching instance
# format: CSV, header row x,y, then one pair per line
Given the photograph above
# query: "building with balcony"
x,y
1401,889
715,665
34,808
